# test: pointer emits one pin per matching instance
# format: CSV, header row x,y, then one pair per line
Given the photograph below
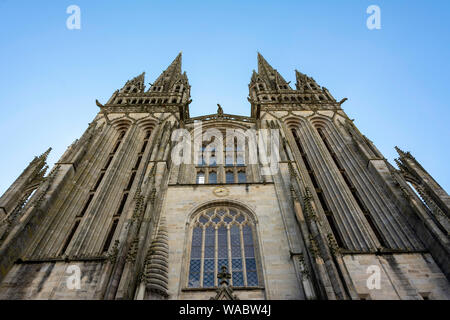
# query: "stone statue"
x,y
219,110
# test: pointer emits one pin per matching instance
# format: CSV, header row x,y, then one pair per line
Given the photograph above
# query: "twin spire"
x,y
173,81
270,75
164,83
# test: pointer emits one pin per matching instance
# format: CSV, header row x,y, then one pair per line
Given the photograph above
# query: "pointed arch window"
x,y
242,177
200,177
229,176
212,177
223,236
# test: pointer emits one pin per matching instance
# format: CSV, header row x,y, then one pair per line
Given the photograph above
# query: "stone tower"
x,y
119,217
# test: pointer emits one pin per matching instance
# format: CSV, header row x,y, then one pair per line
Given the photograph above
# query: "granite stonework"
x,y
314,225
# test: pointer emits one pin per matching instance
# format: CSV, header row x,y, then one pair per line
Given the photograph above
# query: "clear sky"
x,y
396,78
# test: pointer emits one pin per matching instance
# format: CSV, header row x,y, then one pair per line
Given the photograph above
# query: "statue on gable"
x,y
219,111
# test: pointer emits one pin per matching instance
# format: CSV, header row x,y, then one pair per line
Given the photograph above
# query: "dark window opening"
x,y
122,204
138,162
130,183
353,190
144,146
319,193
99,180
88,202
116,146
108,162
110,235
71,234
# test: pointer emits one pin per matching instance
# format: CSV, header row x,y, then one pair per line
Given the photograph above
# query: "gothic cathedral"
x,y
120,217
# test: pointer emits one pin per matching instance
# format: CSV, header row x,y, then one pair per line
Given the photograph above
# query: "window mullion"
x,y
230,266
216,254
202,256
244,266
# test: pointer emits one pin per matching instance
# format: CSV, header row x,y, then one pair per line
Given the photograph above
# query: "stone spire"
x,y
135,85
156,265
305,83
170,77
269,75
308,85
30,178
413,171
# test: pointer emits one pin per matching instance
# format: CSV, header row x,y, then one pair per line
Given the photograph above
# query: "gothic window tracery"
x,y
222,165
223,236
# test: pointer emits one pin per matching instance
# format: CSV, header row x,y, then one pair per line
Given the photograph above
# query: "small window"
x,y
242,177
229,177
200,178
212,177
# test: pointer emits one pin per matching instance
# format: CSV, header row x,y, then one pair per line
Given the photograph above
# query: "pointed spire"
x,y
139,78
305,83
45,154
404,154
135,85
270,75
170,76
400,151
42,158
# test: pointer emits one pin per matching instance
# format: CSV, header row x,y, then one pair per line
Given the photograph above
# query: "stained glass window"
x,y
223,237
196,255
209,259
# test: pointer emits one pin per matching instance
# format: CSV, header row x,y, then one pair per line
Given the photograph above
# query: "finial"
x,y
223,276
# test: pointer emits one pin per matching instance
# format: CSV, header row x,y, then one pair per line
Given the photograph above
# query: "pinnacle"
x,y
45,154
176,64
139,78
263,64
400,151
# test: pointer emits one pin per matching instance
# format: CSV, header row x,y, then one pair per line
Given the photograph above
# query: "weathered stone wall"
x,y
278,279
48,281
403,276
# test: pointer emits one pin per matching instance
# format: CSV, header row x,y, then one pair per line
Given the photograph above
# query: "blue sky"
x,y
396,78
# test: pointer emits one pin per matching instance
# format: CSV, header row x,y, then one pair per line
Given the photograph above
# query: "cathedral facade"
x,y
322,216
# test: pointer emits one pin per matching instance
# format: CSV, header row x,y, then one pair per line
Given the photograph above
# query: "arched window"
x,y
242,177
200,177
229,177
212,178
223,236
